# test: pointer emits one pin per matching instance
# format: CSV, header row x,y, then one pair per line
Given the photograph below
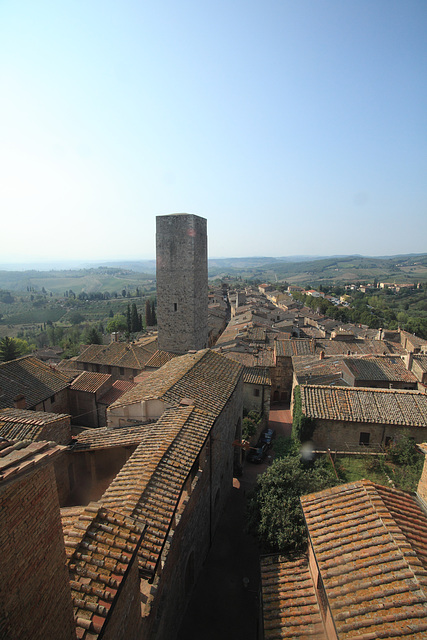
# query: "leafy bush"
x,y
302,427
250,424
404,451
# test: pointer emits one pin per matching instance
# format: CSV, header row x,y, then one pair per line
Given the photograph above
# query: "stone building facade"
x,y
357,418
182,282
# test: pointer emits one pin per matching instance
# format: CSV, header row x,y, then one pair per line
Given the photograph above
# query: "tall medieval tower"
x,y
182,282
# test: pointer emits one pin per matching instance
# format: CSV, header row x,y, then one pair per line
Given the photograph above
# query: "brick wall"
x,y
35,597
125,621
59,432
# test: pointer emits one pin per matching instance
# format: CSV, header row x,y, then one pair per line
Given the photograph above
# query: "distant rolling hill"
x,y
295,269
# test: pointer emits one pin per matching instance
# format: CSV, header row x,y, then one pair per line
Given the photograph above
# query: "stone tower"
x,y
182,282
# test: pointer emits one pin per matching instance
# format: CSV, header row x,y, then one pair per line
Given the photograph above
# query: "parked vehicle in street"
x,y
258,454
267,437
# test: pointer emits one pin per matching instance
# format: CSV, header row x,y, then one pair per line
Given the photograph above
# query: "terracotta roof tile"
x,y
373,571
359,404
118,388
294,347
257,375
90,382
358,346
205,376
311,370
18,456
105,438
159,358
290,608
150,484
120,354
100,545
386,368
32,378
19,424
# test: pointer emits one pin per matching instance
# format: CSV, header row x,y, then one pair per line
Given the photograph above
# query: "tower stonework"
x,y
182,282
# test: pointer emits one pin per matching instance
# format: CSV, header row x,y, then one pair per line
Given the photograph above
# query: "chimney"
x,y
115,336
321,355
19,402
408,360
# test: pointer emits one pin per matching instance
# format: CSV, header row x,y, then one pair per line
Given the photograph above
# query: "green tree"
x,y
134,319
75,317
11,348
117,323
250,425
148,318
128,320
274,512
302,427
153,314
93,336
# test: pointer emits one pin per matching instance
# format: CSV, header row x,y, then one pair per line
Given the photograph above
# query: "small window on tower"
x,y
175,306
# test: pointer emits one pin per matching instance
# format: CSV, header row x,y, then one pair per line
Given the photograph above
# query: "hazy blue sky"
x,y
293,126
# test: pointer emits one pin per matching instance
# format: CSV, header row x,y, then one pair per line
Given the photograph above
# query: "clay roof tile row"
x,y
359,404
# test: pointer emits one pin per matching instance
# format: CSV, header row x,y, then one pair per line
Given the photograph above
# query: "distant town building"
x,y
182,283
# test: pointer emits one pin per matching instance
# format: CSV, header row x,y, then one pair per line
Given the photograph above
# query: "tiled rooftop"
x,y
150,484
360,404
311,370
261,358
257,375
90,382
386,368
118,388
159,358
105,438
19,424
207,377
31,378
416,341
19,456
421,361
100,545
372,565
290,608
120,354
294,347
358,346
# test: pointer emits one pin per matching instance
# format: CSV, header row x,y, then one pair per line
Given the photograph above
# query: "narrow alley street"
x,y
225,602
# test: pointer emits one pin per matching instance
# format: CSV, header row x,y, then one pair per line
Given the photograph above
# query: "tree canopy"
x,y
117,323
274,511
11,348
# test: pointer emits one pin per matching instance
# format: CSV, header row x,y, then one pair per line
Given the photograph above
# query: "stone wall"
x,y
182,283
422,484
35,596
57,403
256,397
83,408
346,436
281,379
